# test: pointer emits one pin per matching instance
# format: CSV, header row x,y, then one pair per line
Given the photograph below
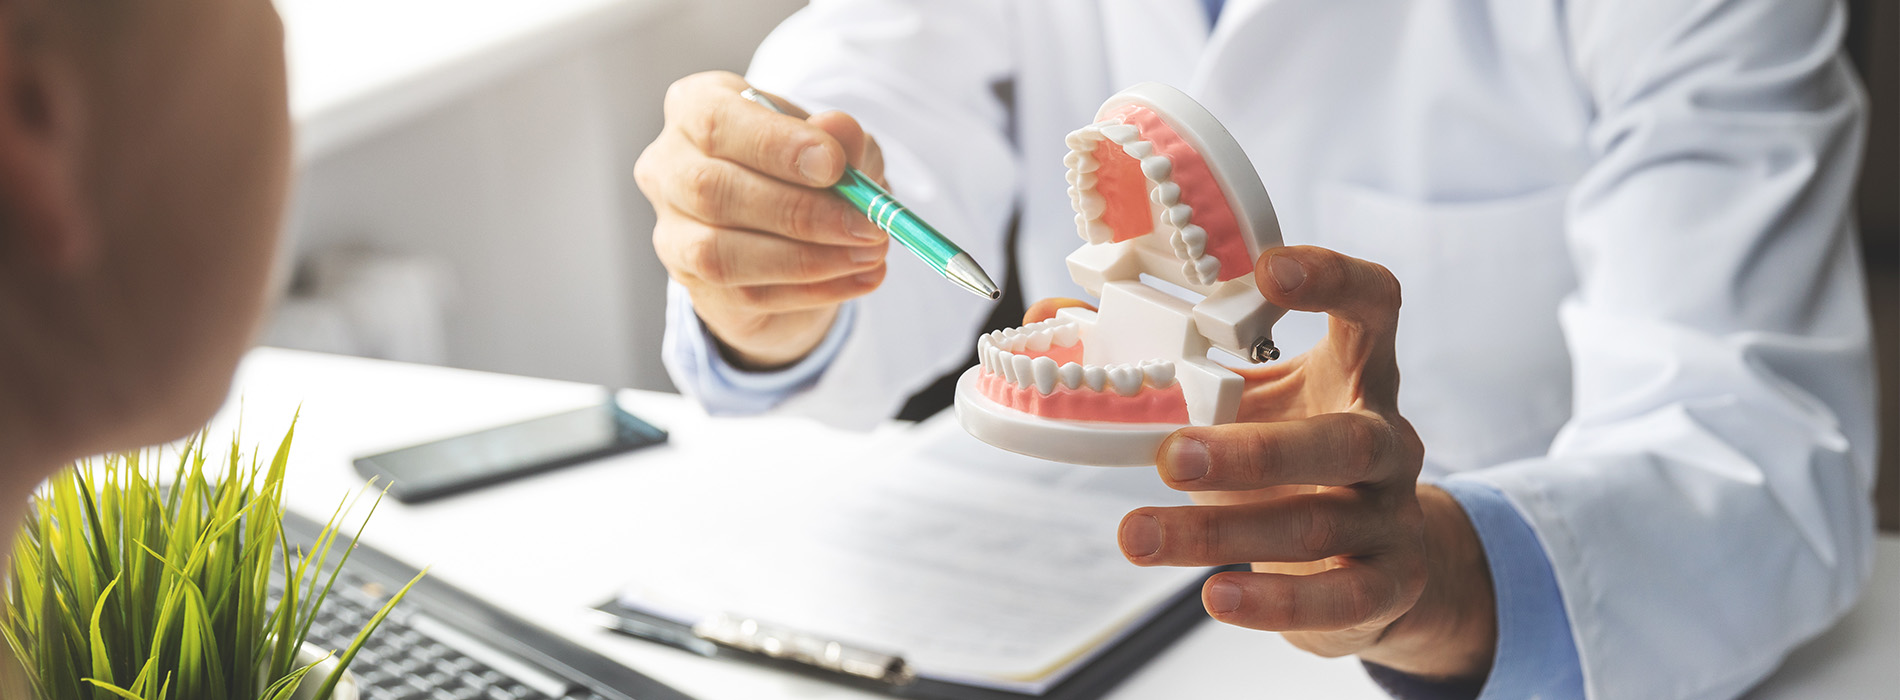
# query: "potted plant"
x,y
124,587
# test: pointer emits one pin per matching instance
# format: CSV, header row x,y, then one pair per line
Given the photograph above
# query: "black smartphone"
x,y
457,464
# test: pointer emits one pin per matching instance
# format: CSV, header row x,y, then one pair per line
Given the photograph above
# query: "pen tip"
x,y
996,295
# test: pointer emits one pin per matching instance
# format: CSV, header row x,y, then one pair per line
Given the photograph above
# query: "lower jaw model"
x,y
1161,192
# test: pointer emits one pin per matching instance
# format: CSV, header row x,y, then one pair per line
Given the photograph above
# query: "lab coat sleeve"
x,y
922,79
1707,507
702,373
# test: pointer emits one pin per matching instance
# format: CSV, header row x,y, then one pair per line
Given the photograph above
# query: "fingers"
x,y
1308,527
1308,278
707,110
1337,599
1047,308
697,254
1332,449
727,195
786,298
861,151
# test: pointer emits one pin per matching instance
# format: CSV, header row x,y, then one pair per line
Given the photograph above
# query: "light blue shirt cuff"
x,y
727,390
1536,656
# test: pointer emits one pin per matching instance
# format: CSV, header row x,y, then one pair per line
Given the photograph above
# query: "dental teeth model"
x,y
1160,189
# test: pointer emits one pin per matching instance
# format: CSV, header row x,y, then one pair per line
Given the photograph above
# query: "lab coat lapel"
x,y
1153,40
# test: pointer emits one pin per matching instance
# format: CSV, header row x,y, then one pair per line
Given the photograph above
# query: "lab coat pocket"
x,y
1486,377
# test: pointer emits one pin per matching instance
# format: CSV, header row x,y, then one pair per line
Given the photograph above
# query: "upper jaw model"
x,y
1160,189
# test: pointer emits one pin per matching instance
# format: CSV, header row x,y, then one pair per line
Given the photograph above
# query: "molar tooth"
x,y
1121,133
1160,374
1096,231
1194,240
1180,214
1068,334
1157,167
1091,204
1071,375
1180,246
1082,139
1074,159
1208,269
1045,373
1126,378
1095,376
1084,180
1166,194
1139,150
1039,341
1025,369
1082,228
1072,176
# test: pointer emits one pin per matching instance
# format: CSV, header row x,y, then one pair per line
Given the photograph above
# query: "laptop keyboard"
x,y
415,657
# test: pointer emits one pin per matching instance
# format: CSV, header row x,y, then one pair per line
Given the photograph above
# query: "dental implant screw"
x,y
1264,351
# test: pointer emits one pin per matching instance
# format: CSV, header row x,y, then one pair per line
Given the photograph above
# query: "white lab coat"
x,y
1632,297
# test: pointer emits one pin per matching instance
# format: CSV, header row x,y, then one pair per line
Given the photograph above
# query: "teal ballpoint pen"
x,y
884,210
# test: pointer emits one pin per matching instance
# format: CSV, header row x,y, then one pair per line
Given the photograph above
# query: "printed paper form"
x,y
977,565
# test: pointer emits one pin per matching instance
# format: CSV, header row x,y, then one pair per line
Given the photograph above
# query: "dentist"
x,y
1634,447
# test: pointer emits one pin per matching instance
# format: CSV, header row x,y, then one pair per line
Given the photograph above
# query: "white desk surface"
x,y
357,66
550,547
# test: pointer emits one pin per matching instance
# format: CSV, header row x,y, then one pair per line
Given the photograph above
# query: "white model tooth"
x,y
1160,374
1166,194
1207,269
1005,367
1082,228
1193,240
1071,375
1071,176
1045,372
1082,139
1121,133
1025,369
1157,167
1179,246
1091,204
1095,376
1074,160
1068,334
1180,214
1085,181
1039,341
1126,378
1096,231
1139,150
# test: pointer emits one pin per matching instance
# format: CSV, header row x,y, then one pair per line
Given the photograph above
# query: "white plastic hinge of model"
x,y
1159,189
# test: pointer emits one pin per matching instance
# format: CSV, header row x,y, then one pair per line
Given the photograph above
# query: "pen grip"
x,y
884,210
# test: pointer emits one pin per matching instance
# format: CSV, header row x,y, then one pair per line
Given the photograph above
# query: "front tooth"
x,y
989,360
1180,214
1071,375
1095,376
1126,378
1005,366
1160,374
1139,150
1208,269
1039,341
1157,167
1045,372
1091,204
1121,133
1194,240
1025,369
1074,159
1166,194
1067,334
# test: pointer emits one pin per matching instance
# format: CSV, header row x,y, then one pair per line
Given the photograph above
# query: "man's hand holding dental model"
x,y
745,224
1405,583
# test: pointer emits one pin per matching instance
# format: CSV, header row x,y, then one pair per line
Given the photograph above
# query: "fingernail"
x,y
1187,459
862,254
1222,597
861,228
1287,272
815,164
1141,536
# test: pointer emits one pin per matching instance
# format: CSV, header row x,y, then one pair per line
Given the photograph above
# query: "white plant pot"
x,y
346,689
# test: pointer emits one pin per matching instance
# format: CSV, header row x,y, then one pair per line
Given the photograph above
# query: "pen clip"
x,y
750,635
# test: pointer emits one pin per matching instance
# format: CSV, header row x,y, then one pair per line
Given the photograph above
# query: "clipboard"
x,y
888,673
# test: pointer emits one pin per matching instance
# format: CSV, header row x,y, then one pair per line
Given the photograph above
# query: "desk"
x,y
535,546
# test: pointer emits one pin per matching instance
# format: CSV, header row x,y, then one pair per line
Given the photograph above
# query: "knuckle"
x,y
1319,535
705,185
703,257
1368,441
802,217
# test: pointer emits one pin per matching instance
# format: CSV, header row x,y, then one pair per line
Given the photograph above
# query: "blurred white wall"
x,y
503,231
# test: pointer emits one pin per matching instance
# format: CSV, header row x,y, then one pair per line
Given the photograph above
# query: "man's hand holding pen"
x,y
746,225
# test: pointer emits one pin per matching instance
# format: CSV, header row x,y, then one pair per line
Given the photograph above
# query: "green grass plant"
x,y
123,587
